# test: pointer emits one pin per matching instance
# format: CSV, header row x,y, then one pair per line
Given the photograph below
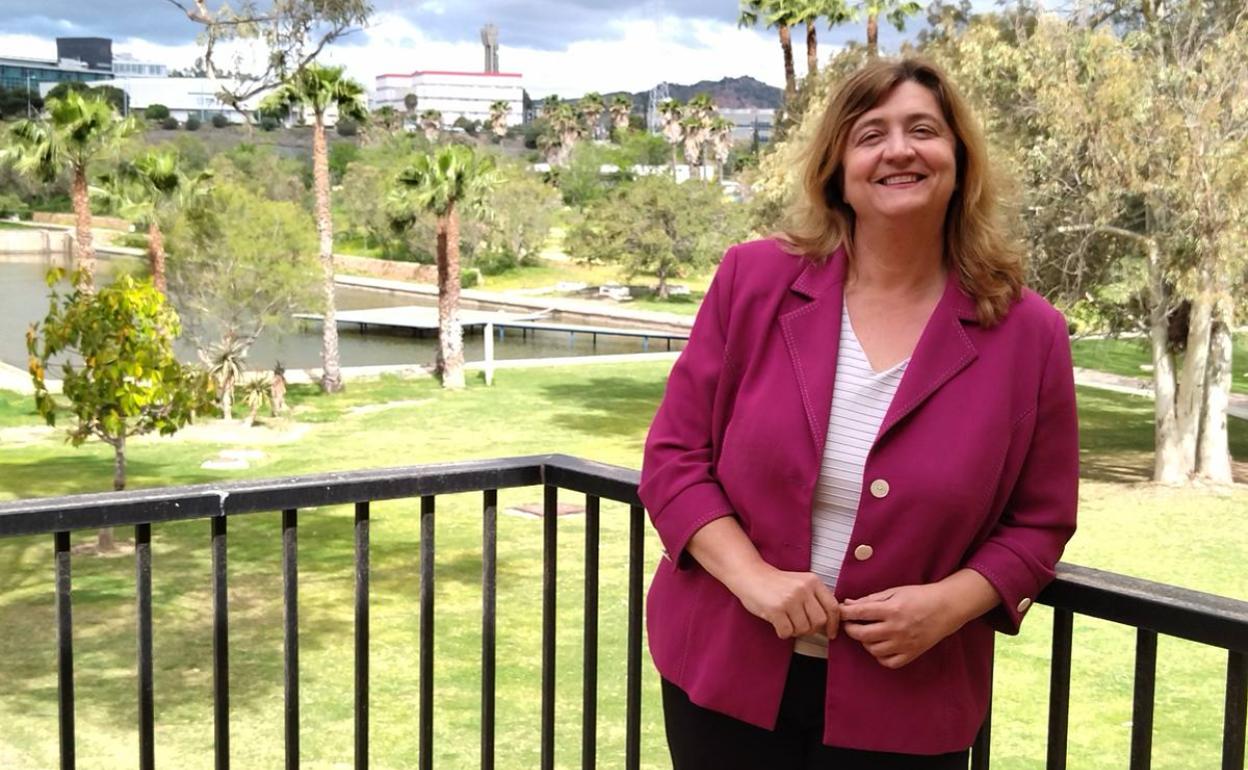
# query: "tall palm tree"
x,y
592,106
721,140
621,107
549,105
147,191
76,130
809,12
443,183
318,88
896,11
431,124
699,113
671,112
780,15
498,117
565,130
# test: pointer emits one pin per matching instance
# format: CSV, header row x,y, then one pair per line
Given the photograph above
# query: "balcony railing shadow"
x,y
1153,609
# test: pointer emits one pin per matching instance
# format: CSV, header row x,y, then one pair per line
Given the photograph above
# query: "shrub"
x,y
470,277
347,127
192,123
156,112
268,123
169,124
220,121
13,206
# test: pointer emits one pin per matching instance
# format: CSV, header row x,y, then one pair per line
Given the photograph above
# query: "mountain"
x,y
727,93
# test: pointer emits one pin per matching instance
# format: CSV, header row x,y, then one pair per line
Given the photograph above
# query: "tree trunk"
x,y
227,398
85,258
873,35
156,253
104,540
790,77
662,290
1191,401
1213,456
450,333
1167,456
812,50
331,376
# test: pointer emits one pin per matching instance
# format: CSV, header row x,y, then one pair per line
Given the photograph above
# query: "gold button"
x,y
1024,604
879,488
863,552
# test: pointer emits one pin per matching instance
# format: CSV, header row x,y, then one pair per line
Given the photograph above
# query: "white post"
x,y
489,354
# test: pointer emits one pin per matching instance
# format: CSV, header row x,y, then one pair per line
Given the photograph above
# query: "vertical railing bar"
x,y
489,609
589,688
361,634
981,749
143,611
1143,699
290,579
1059,689
636,554
550,516
220,648
1233,726
426,632
64,650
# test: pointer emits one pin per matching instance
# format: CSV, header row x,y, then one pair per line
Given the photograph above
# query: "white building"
x,y
183,96
454,94
127,66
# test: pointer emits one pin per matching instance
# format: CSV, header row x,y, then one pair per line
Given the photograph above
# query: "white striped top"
x,y
860,399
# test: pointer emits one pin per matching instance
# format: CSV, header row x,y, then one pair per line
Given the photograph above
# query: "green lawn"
x,y
1130,357
1191,538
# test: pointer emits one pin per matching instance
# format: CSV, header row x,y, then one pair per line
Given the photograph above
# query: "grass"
x,y
1128,356
1191,538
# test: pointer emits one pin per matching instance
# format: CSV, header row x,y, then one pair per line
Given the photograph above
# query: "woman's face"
x,y
900,164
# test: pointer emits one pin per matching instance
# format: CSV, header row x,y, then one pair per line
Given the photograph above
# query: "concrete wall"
x,y
42,241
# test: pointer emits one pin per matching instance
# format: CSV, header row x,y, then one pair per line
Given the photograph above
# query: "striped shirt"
x,y
860,399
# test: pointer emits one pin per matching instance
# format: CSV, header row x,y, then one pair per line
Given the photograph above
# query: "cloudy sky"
x,y
561,46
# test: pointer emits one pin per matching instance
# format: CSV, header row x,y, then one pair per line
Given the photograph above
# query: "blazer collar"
x,y
812,335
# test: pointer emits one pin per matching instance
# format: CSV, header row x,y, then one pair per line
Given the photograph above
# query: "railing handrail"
x,y
1170,610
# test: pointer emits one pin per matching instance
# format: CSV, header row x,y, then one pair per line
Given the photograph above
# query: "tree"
x,y
591,107
111,94
387,118
671,113
621,107
148,191
654,226
155,112
78,129
498,118
443,183
318,88
120,375
293,33
780,15
522,209
564,130
896,11
809,12
721,141
431,124
699,114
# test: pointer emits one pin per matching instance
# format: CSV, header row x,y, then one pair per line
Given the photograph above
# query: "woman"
x,y
866,460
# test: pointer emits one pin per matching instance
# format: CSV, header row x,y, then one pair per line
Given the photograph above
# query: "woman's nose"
x,y
898,145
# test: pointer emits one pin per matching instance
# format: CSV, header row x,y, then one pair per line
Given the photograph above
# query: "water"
x,y
24,299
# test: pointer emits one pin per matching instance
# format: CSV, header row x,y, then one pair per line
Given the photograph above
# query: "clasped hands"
x,y
896,625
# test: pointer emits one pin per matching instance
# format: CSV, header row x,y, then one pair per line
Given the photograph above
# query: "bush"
x,y
470,277
192,123
268,123
13,206
169,124
156,112
220,121
347,127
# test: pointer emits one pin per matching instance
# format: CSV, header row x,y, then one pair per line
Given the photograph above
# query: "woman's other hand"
x,y
900,624
794,603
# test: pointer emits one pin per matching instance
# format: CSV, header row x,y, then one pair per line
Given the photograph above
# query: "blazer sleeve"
x,y
1019,556
678,485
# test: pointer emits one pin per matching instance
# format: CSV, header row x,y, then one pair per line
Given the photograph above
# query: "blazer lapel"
x,y
943,350
812,336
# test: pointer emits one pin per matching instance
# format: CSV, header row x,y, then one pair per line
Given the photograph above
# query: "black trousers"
x,y
701,739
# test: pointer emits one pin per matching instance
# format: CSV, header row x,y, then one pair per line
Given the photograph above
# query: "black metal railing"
x,y
1152,608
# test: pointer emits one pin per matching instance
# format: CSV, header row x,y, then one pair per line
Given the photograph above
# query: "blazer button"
x,y
863,552
1023,605
879,488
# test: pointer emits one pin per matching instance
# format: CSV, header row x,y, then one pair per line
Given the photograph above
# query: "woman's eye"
x,y
869,136
925,130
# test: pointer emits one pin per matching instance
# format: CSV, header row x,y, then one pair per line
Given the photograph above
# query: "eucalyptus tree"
x,y
591,107
320,88
499,111
149,190
620,109
431,124
76,131
445,182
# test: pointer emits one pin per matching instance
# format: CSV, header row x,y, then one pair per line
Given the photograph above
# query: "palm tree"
x,y
431,124
721,140
698,115
498,117
896,11
442,183
621,108
147,191
563,131
808,12
318,88
387,117
780,15
549,105
671,113
592,107
77,130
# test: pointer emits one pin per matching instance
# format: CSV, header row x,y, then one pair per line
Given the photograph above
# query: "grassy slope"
x,y
1128,356
1189,538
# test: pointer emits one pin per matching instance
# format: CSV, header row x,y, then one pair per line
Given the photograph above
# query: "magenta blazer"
x,y
979,459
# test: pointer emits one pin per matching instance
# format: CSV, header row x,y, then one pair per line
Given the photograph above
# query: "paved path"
x,y
1141,387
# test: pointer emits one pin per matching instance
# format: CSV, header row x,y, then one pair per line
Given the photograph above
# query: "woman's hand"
x,y
794,603
900,624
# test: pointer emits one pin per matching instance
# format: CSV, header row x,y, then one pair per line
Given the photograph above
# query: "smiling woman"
x,y
866,458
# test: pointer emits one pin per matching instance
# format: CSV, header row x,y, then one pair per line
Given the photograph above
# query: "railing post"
x,y
220,648
65,650
589,685
489,610
426,632
1233,726
290,604
143,607
1059,689
1142,699
361,635
636,557
550,519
